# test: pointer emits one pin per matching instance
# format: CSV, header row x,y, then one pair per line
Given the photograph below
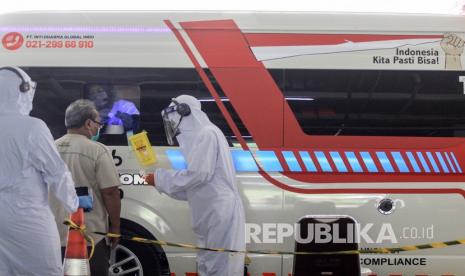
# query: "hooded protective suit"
x,y
209,186
30,166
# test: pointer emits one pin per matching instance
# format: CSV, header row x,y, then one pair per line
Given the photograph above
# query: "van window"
x,y
139,91
375,102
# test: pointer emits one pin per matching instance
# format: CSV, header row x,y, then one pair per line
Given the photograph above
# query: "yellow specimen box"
x,y
141,145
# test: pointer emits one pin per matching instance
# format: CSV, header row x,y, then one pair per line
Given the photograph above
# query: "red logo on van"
x,y
12,41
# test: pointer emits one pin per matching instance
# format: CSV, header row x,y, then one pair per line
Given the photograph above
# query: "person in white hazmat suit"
x,y
30,166
208,184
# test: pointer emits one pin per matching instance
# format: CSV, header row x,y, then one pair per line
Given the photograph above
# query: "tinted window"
x,y
385,103
148,89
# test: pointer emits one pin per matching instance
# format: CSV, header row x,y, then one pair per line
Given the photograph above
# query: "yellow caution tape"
x,y
190,246
82,230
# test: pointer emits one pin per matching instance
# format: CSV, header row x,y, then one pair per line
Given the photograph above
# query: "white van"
x,y
358,115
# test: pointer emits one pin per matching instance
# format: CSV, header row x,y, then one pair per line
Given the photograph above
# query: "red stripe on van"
x,y
330,161
360,161
393,163
438,164
346,161
208,84
407,161
376,160
282,39
299,160
444,158
450,165
262,111
284,165
315,161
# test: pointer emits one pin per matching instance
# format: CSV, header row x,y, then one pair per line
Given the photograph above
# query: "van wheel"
x,y
138,259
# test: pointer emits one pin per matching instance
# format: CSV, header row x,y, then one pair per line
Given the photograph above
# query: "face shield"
x,y
171,121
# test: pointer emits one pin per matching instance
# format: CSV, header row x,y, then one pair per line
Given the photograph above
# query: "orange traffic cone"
x,y
76,262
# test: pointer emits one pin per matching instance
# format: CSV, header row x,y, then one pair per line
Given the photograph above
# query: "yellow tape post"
x,y
265,252
83,231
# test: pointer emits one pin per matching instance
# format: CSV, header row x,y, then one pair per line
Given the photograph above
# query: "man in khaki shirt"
x,y
91,165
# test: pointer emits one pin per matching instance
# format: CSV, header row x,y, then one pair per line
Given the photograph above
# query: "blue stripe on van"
x,y
340,166
423,162
414,163
456,162
243,161
369,163
320,156
441,161
450,162
176,159
269,161
385,163
353,161
292,161
400,162
307,161
433,163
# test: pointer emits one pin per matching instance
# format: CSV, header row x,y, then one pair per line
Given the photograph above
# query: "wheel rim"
x,y
126,263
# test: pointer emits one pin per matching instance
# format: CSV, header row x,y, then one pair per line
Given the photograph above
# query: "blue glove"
x,y
86,203
126,119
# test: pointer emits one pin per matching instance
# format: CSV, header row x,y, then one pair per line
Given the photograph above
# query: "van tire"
x,y
151,257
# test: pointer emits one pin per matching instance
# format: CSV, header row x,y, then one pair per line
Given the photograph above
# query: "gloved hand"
x,y
126,119
86,203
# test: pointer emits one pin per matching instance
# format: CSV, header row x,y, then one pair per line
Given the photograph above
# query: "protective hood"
x,y
179,126
197,119
12,100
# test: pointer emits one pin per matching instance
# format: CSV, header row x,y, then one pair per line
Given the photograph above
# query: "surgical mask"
x,y
96,136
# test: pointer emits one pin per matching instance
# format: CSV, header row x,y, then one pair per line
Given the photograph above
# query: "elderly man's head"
x,y
82,117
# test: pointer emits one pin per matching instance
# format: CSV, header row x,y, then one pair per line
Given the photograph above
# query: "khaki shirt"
x,y
91,165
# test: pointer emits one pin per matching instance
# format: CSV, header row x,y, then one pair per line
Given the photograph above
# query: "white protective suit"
x,y
209,186
30,166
